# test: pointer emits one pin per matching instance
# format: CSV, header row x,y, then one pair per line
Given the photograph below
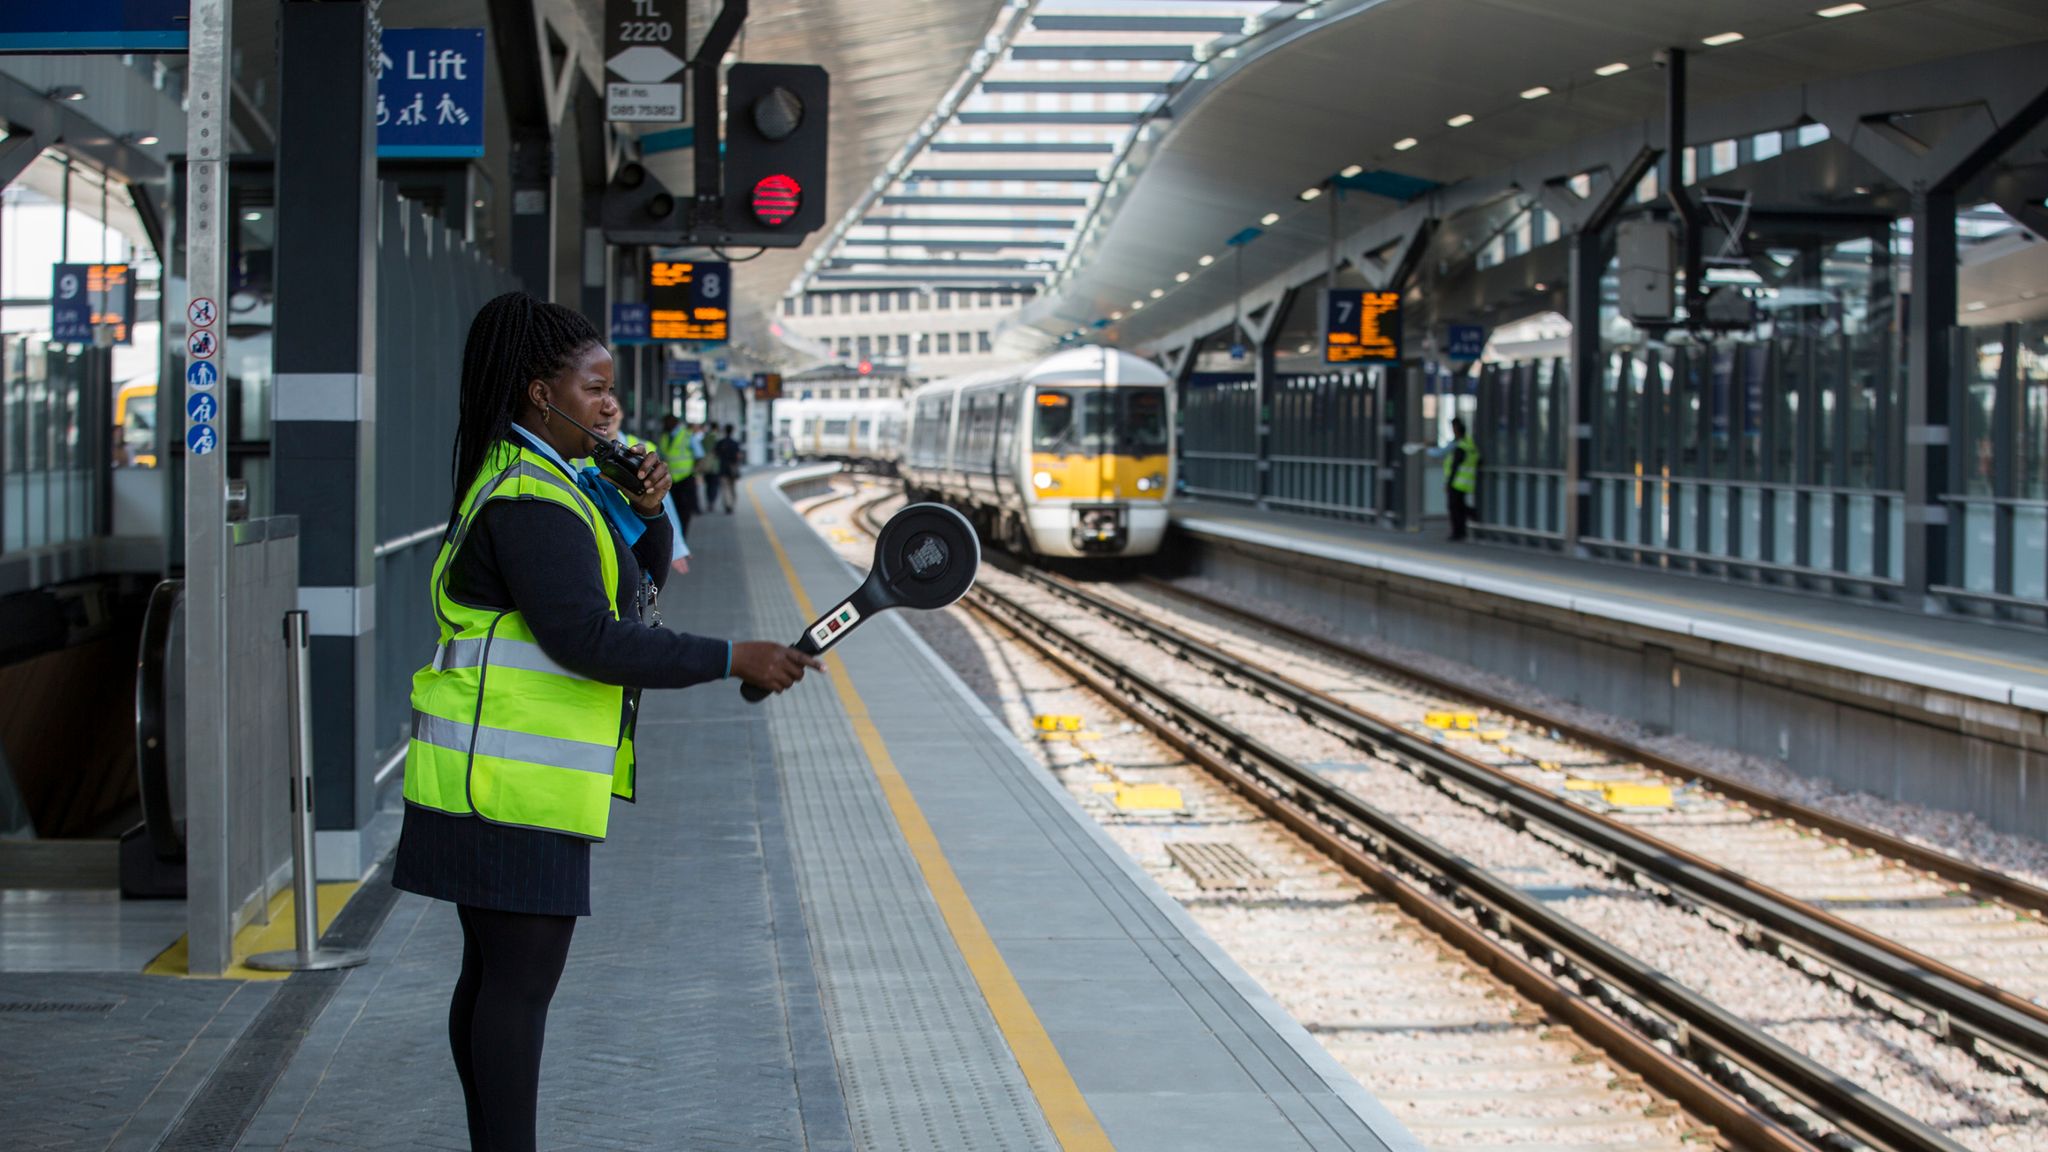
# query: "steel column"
x,y
209,910
1930,336
325,411
1580,393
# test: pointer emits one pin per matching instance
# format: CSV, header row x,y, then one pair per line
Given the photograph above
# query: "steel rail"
x,y
1953,1001
1971,877
1697,1026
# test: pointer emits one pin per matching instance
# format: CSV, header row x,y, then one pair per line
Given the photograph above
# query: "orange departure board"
x,y
686,300
1361,325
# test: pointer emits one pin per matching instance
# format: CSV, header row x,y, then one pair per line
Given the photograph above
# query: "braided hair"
x,y
514,338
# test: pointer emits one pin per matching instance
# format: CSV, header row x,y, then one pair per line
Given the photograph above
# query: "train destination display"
x,y
1361,325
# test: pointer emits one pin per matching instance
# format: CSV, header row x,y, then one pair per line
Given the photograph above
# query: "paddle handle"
x,y
754,695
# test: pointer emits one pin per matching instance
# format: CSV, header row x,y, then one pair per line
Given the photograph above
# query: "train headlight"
x,y
1043,481
1152,483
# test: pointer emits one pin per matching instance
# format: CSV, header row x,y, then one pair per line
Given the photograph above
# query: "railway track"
x,y
1476,1055
1573,959
1925,991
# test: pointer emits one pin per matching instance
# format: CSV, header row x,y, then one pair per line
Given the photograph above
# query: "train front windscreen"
x,y
1100,422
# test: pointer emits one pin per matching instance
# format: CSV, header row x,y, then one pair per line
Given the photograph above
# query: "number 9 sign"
x,y
67,286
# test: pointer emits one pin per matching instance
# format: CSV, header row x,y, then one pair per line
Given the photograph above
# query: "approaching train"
x,y
864,435
1069,456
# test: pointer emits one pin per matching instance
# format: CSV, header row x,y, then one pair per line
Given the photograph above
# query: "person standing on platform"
x,y
523,722
727,453
1461,477
674,446
709,466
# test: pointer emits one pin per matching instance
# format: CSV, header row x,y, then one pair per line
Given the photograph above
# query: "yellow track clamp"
x,y
1056,722
1149,798
1493,735
1633,795
1574,784
1439,719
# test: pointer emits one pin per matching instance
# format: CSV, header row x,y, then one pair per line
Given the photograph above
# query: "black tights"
x,y
511,962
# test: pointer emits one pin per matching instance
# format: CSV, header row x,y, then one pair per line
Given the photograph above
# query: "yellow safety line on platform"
x,y
1675,601
275,936
1073,1123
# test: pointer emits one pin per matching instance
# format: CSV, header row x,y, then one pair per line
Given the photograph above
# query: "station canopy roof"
x,y
1096,150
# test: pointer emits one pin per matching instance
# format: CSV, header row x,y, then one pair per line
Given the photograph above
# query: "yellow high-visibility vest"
x,y
675,452
1466,478
499,730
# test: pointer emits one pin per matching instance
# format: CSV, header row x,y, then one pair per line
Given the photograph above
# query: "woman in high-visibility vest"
x,y
523,722
1461,477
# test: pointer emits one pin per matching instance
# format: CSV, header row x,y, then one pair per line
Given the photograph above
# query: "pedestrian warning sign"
x,y
430,93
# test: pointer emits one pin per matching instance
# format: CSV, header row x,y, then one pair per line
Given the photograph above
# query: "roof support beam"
x,y
1102,52
958,222
1134,87
959,245
1044,175
1213,25
985,201
1091,118
1023,148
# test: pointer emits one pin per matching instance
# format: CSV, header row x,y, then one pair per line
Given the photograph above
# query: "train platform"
x,y
855,917
1968,658
1941,711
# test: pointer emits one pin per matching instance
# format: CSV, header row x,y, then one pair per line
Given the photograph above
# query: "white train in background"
x,y
864,435
1068,456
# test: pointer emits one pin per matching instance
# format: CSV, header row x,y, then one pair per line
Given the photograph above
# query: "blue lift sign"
x,y
430,93
1466,342
94,26
629,324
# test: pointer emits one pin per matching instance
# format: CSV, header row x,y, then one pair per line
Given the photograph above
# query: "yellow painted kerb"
x,y
276,936
1072,1122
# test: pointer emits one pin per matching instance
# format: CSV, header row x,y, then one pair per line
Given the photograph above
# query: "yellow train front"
x,y
1071,456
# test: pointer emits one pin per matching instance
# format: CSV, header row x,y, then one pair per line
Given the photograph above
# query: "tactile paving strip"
x,y
921,1060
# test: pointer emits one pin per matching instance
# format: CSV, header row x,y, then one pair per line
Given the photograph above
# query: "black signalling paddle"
x,y
925,558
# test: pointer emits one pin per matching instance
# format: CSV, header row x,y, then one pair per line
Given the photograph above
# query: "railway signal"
x,y
775,152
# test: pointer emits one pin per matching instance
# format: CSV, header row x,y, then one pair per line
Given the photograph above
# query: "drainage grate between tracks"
x,y
1219,866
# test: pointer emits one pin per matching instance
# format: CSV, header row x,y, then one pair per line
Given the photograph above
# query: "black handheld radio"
x,y
925,558
614,462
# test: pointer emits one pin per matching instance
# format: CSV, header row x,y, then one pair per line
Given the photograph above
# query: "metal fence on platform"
x,y
1778,457
1520,432
1219,436
1324,451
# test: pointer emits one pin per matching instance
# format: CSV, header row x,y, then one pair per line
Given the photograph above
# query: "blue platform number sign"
x,y
85,298
77,26
201,439
1466,342
430,93
629,324
202,408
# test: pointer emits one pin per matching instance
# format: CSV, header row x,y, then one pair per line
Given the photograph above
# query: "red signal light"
x,y
776,199
865,367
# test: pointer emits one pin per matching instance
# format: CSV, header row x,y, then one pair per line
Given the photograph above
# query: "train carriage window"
x,y
1006,428
835,427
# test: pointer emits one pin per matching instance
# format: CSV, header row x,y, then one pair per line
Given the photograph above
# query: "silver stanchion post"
x,y
308,956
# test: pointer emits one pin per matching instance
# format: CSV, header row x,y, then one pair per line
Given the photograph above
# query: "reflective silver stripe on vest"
x,y
521,654
454,736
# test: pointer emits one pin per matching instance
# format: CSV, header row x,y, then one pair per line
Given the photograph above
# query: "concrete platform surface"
x,y
1945,653
854,917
